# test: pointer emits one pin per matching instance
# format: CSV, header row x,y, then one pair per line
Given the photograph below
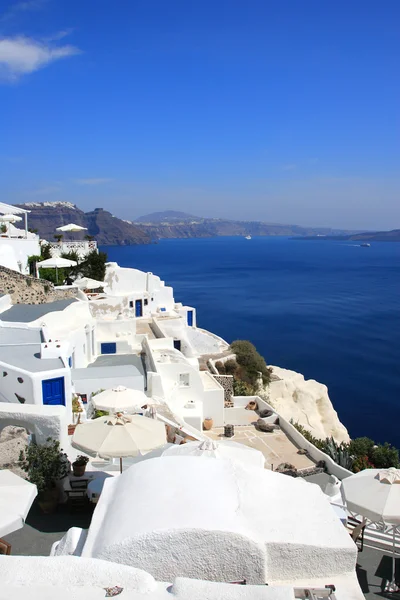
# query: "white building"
x,y
214,520
16,244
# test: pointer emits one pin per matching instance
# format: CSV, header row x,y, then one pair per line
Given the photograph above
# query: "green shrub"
x,y
94,266
45,464
241,388
100,413
250,362
361,446
384,456
231,367
219,365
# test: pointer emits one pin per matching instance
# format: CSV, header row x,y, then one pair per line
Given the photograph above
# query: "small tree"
x,y
251,363
45,464
58,237
45,252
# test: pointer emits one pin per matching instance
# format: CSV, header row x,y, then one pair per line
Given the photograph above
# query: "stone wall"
x,y
226,382
25,289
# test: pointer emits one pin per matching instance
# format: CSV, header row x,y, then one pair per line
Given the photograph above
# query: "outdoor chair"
x,y
77,495
356,530
5,547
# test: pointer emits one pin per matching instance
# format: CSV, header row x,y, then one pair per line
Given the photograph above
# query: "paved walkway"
x,y
41,531
276,446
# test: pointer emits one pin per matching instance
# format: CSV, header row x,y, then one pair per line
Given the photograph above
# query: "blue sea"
x,y
327,309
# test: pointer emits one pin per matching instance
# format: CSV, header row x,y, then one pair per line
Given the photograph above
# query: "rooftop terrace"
x,y
26,313
275,446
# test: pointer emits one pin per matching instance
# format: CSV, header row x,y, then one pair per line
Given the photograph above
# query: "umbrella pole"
x,y
120,464
392,587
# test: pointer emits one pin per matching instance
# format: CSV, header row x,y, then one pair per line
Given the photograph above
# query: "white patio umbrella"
x,y
16,497
118,436
56,263
71,227
227,450
120,398
375,494
86,283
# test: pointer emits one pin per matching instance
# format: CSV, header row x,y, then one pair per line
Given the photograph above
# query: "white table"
x,y
340,513
95,487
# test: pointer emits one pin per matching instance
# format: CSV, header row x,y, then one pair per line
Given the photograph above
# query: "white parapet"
x,y
42,421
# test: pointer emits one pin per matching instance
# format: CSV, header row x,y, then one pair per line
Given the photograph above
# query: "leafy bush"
x,y
361,446
94,266
231,367
241,388
384,456
250,363
45,464
219,365
361,453
100,413
320,444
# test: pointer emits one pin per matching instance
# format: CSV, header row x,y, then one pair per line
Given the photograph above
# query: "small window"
x,y
184,379
130,303
146,301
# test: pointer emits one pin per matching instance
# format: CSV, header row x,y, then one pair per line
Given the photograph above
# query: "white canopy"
x,y
86,283
119,435
71,227
225,449
16,497
120,398
375,494
56,262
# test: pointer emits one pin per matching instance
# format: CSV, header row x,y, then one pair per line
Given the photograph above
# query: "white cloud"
x,y
22,7
92,181
22,55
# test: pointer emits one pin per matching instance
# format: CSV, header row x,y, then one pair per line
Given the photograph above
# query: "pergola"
x,y
9,209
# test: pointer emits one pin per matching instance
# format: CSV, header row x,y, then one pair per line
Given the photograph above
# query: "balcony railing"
x,y
81,247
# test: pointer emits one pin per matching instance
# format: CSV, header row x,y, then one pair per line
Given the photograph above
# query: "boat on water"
x,y
248,237
365,245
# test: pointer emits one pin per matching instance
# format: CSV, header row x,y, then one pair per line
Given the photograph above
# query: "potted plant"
x,y
76,410
79,465
45,465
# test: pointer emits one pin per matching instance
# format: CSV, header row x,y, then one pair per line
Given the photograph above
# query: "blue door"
x,y
108,348
53,391
138,308
177,345
190,318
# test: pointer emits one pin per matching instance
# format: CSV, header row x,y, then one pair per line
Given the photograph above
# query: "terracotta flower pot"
x,y
48,500
208,424
71,429
78,470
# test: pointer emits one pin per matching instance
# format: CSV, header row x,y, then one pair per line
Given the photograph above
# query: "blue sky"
x,y
278,110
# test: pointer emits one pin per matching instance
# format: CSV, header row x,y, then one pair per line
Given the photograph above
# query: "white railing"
x,y
81,247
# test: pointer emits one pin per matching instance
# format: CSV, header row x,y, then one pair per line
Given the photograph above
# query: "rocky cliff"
x,y
107,229
306,402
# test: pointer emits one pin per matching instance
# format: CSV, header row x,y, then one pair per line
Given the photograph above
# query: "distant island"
x,y
367,236
110,230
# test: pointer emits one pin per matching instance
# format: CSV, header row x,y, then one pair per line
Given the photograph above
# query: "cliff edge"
x,y
306,402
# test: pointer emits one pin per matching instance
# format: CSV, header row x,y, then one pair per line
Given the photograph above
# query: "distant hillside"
x,y
368,236
107,229
110,230
174,224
